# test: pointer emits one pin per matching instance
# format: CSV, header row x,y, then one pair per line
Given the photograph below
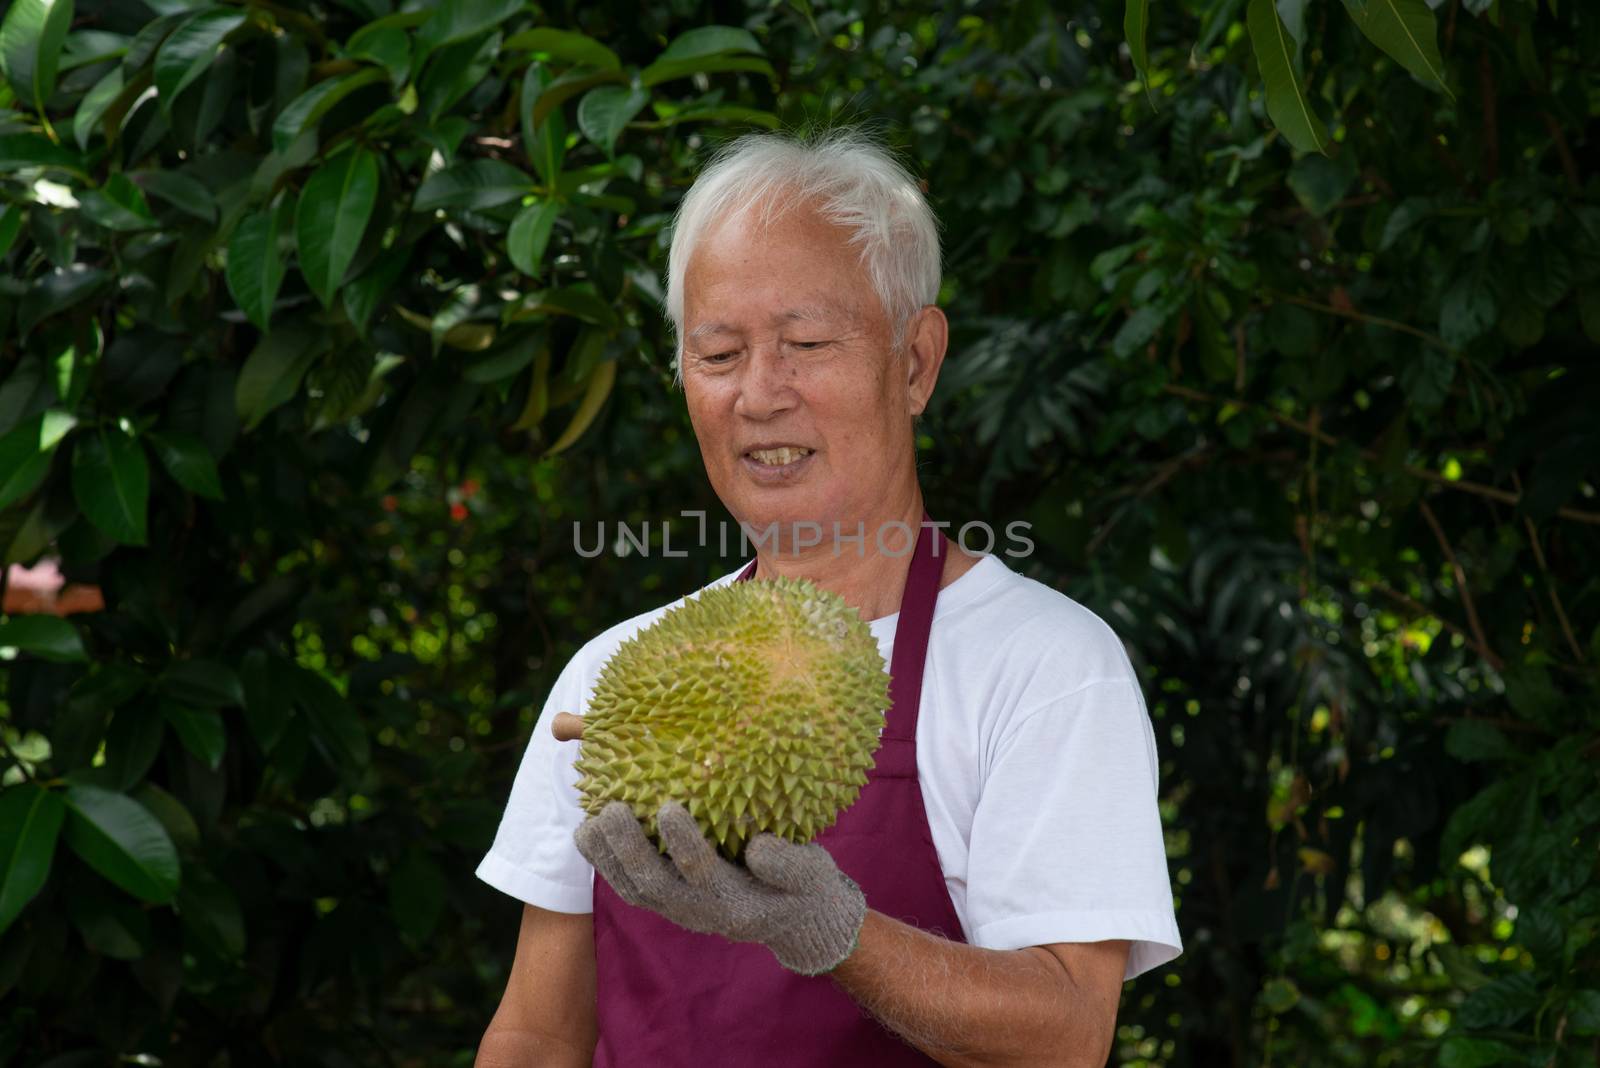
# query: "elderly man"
x,y
1002,872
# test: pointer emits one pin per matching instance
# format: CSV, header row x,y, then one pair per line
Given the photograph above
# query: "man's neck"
x,y
869,574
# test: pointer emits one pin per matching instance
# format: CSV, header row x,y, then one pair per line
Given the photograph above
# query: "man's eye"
x,y
808,345
719,357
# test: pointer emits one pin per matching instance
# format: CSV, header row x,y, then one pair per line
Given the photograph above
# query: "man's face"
x,y
802,412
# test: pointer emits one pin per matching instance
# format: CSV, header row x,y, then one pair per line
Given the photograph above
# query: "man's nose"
x,y
766,387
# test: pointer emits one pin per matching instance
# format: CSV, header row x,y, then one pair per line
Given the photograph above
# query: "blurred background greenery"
x,y
322,322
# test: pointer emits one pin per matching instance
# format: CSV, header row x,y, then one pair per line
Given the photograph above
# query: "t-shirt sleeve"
x,y
1067,843
534,858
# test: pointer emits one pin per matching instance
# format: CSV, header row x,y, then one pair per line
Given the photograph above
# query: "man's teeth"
x,y
780,457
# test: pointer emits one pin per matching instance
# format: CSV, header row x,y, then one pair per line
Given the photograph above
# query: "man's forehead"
x,y
814,311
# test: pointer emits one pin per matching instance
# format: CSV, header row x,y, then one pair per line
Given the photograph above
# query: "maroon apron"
x,y
667,997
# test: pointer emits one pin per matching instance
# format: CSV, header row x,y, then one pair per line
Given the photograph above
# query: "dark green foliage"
x,y
299,299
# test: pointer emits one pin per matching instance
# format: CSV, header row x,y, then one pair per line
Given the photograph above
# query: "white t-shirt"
x,y
1037,764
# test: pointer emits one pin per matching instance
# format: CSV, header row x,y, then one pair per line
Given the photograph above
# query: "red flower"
x,y
458,511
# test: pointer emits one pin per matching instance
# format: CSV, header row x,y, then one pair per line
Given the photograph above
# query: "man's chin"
x,y
792,528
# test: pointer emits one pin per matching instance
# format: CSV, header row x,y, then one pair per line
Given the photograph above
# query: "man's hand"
x,y
793,899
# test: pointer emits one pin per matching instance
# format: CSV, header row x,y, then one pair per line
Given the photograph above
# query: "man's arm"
x,y
546,1017
1043,1006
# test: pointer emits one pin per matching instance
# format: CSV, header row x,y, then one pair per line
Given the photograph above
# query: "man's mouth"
x,y
779,457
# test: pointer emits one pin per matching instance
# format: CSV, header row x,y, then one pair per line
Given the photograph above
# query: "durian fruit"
x,y
757,705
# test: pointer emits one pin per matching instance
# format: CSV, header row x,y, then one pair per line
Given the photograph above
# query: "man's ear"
x,y
927,337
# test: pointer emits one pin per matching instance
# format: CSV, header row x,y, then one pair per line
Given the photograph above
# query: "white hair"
x,y
853,182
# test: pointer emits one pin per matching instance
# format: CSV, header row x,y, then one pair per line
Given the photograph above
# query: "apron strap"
x,y
911,632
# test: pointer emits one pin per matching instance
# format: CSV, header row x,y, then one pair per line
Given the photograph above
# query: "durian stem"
x,y
567,727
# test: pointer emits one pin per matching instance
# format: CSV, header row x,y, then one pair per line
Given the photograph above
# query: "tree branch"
x,y
1461,585
1461,484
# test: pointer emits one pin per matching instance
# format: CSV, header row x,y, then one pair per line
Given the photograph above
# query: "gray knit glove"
x,y
791,898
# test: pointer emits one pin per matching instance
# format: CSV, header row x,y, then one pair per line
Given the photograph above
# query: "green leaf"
x,y
307,109
1137,331
335,207
546,141
62,288
132,743
200,730
1583,1012
111,483
387,46
267,696
30,47
604,111
210,913
202,682
665,70
1320,182
1502,1003
475,185
1467,309
23,150
190,49
12,216
530,235
1540,932
457,20
335,728
83,47
94,105
1459,1051
23,462
724,113
120,205
1136,27
1589,312
1472,739
580,303
1278,996
417,894
30,821
255,265
120,839
1522,324
46,637
454,72
706,41
362,294
110,924
505,360
1287,105
188,461
1405,30
565,44
181,191
272,372
177,820
44,522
